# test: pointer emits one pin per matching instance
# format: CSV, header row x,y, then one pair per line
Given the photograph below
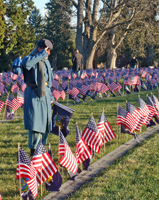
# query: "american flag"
x,y
82,150
127,81
8,80
104,88
19,80
79,85
112,76
20,97
84,89
137,115
63,95
73,81
55,84
68,160
1,105
153,81
72,91
155,101
43,163
126,119
144,110
135,80
119,86
12,102
112,85
14,77
152,108
23,86
105,129
57,77
56,94
93,86
92,136
64,84
27,170
14,88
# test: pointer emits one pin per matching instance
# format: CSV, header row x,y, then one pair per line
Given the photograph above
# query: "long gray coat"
x,y
37,110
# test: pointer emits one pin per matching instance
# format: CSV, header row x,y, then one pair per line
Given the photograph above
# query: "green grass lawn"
x,y
134,176
12,133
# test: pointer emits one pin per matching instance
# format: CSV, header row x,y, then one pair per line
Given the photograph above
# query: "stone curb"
x,y
71,186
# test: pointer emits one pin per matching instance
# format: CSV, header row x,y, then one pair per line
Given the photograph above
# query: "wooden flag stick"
x,y
68,94
41,183
120,126
19,171
141,126
59,155
104,142
123,88
5,106
41,175
91,147
81,162
117,125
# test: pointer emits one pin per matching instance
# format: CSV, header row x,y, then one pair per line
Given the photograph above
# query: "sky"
x,y
40,4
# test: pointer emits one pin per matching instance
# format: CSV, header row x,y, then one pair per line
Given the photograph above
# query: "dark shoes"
x,y
32,152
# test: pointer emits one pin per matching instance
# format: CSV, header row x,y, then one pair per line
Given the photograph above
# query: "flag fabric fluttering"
x,y
61,117
53,183
14,88
155,101
12,102
82,150
20,97
1,105
92,136
112,85
137,115
152,108
105,129
43,163
68,160
25,169
144,110
72,91
125,118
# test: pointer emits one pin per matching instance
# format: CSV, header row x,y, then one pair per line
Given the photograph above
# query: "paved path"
x,y
71,186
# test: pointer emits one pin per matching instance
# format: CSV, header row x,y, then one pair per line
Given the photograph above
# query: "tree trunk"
x,y
89,55
150,57
79,26
111,58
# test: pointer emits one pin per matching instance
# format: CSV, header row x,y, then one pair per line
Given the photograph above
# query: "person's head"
x,y
133,57
19,56
76,50
44,44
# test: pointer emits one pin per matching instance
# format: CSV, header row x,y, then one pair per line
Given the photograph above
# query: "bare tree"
x,y
96,18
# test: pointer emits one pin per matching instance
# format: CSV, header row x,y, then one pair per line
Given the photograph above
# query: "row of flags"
x,y
133,118
42,167
90,82
38,170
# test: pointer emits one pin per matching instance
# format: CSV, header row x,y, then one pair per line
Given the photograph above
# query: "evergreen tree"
x,y
58,30
16,27
2,22
36,20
